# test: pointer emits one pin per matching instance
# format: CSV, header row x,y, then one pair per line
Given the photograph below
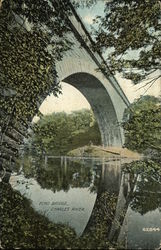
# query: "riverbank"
x,y
107,152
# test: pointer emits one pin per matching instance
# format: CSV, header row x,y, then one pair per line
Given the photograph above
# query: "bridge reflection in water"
x,y
66,190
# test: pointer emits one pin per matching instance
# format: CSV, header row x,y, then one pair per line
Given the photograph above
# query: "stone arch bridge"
x,y
79,67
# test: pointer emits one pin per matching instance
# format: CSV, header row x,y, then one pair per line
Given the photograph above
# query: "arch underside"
x,y
101,104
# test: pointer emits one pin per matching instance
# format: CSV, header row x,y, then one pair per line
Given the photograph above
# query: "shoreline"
x,y
107,152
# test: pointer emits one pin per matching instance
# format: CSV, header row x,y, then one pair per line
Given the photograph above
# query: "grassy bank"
x,y
99,151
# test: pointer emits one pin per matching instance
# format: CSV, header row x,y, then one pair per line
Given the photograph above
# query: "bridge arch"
x,y
101,104
105,100
78,67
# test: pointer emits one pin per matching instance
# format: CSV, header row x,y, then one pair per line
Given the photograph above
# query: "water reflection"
x,y
64,193
73,175
147,195
68,192
141,227
111,176
72,208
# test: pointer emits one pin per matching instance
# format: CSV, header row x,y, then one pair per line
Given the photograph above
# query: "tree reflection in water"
x,y
140,190
147,197
57,177
146,175
147,194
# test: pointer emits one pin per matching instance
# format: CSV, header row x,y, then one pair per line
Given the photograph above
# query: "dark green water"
x,y
68,191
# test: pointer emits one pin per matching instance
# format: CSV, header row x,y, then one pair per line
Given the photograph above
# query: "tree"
x,y
52,133
33,38
130,30
59,133
82,120
83,3
142,124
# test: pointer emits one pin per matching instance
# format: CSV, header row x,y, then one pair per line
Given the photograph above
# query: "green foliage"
x,y
31,74
146,168
60,132
33,38
96,233
52,132
130,30
83,3
142,125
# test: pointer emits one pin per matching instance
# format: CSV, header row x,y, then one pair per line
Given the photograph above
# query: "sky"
x,y
71,99
64,102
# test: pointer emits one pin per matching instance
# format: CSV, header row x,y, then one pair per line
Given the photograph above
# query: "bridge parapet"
x,y
81,33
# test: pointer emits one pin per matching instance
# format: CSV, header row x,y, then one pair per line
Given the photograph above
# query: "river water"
x,y
66,191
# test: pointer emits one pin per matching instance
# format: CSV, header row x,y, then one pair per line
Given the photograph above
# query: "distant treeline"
x,y
59,133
